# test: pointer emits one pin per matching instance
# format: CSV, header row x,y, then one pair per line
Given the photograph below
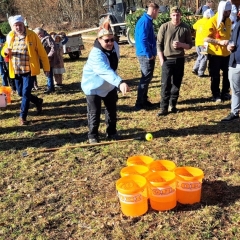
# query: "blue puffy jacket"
x,y
98,77
145,41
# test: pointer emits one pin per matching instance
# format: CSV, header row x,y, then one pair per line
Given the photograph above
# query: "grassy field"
x,y
71,194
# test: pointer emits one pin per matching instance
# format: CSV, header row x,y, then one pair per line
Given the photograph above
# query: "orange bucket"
x,y
162,190
139,160
7,91
189,184
162,165
132,195
135,169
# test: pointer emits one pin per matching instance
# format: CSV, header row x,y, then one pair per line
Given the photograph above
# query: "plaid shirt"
x,y
20,56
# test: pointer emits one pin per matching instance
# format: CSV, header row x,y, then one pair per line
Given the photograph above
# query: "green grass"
x,y
70,193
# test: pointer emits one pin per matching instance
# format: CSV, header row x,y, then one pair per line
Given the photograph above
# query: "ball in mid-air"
x,y
149,137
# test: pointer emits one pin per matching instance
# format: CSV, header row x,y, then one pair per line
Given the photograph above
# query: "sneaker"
x,y
217,99
58,85
230,117
138,107
39,105
195,72
162,112
226,97
174,110
93,140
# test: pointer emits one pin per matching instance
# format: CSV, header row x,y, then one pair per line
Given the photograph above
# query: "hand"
x,y
124,88
176,44
230,48
46,73
223,42
152,58
7,51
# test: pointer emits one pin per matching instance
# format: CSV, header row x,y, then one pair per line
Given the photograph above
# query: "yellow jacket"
x,y
201,31
36,52
223,32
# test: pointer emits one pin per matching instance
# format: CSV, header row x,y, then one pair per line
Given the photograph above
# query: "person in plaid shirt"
x,y
24,50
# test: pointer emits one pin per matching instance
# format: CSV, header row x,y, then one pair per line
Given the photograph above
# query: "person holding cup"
x,y
218,35
172,39
234,74
24,50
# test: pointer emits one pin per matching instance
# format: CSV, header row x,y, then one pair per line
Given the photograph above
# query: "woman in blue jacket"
x,y
100,82
3,73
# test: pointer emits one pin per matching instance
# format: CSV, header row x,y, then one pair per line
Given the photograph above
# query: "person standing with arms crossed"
x,y
24,50
146,53
218,35
172,39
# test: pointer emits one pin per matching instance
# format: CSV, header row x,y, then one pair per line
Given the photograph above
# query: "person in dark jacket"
x,y
234,73
146,53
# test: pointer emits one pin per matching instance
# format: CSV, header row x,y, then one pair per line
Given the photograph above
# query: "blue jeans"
x,y
4,75
50,83
201,62
24,85
147,68
234,78
94,112
172,74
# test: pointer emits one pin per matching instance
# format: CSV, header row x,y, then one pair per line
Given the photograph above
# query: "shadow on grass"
x,y
214,193
59,140
205,129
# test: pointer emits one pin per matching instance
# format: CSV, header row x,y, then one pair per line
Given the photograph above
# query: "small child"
x,y
58,69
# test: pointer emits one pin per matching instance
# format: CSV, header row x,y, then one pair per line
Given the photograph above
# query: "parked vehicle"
x,y
74,46
116,11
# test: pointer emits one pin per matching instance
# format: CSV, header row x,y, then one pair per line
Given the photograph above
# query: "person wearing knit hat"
x,y
100,82
201,31
218,35
24,49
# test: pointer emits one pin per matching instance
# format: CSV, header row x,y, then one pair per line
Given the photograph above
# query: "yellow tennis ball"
x,y
149,137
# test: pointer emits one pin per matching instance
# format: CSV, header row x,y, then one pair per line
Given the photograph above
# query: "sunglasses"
x,y
108,40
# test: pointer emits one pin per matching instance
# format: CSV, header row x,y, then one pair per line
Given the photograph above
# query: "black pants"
x,y
217,63
172,74
94,112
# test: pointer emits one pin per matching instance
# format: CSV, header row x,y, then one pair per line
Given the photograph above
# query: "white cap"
x,y
14,19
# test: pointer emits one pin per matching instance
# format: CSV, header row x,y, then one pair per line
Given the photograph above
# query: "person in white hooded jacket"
x,y
100,82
